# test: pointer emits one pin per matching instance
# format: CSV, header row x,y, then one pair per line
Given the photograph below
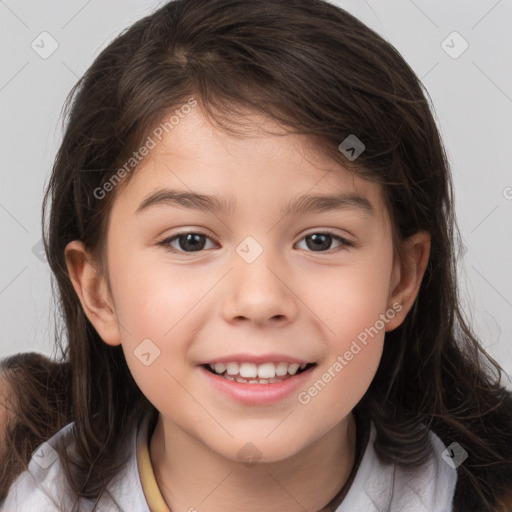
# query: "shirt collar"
x,y
150,488
377,487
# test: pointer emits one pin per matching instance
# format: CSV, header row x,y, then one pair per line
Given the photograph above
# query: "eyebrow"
x,y
215,204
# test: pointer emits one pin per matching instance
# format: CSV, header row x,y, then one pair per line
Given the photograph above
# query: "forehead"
x,y
262,163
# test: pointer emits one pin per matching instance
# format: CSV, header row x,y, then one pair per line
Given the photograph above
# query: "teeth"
x,y
232,368
248,370
266,371
220,368
292,369
252,373
281,369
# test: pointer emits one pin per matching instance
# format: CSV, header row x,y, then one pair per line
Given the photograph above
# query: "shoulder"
x,y
433,484
44,486
378,486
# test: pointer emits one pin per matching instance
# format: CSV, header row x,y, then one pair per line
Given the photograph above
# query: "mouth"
x,y
250,373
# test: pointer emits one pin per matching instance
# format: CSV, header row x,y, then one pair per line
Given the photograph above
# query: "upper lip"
x,y
256,359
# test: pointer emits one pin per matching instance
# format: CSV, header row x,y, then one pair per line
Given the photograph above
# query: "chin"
x,y
256,451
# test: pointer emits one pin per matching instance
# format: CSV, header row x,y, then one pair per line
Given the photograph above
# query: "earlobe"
x,y
408,275
92,290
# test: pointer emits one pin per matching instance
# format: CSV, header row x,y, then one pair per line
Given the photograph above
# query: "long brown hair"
x,y
319,71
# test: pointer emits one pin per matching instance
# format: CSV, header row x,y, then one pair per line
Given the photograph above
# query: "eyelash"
x,y
167,241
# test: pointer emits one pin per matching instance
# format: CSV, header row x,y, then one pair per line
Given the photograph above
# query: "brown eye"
x,y
322,241
187,242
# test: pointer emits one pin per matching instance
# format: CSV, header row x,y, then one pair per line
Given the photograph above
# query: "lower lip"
x,y
257,394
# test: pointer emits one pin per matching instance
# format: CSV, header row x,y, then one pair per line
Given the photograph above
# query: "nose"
x,y
260,292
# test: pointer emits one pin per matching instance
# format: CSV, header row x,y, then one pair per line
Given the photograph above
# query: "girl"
x,y
252,233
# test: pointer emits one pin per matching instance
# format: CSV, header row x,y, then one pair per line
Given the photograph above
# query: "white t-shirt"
x,y
376,487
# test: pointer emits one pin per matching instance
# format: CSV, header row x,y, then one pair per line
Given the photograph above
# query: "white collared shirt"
x,y
377,487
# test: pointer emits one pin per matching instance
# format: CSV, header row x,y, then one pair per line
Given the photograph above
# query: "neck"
x,y
191,476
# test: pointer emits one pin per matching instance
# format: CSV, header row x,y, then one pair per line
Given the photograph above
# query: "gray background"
x,y
472,97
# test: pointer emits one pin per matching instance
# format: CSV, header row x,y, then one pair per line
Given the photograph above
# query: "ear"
x,y
92,290
407,275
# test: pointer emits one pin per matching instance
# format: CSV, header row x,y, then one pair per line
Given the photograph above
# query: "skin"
x,y
293,299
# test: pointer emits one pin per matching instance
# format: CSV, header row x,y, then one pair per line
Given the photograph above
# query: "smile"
x,y
250,373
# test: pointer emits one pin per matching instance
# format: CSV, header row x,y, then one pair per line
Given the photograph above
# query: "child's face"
x,y
257,286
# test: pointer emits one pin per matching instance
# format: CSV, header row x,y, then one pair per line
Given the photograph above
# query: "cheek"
x,y
149,307
340,384
352,357
354,308
151,299
352,298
